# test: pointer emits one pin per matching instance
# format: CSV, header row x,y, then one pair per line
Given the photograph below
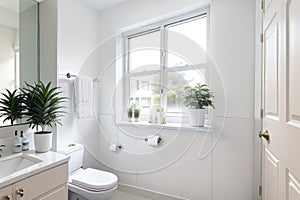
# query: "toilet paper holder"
x,y
159,140
115,147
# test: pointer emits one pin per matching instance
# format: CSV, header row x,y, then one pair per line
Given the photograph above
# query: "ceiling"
x,y
12,5
102,4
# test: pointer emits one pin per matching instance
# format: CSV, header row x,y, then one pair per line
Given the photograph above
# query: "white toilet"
x,y
87,184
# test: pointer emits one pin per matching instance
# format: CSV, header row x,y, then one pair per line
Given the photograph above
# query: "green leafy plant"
x,y
134,111
11,106
43,105
130,113
198,97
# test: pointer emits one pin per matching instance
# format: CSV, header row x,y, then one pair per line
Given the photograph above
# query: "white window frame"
x,y
161,25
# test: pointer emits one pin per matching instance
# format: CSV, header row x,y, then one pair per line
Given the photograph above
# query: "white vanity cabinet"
x,y
6,193
50,184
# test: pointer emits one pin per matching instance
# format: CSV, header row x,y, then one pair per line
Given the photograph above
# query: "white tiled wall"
x,y
176,167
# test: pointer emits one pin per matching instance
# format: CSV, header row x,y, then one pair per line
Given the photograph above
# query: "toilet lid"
x,y
93,179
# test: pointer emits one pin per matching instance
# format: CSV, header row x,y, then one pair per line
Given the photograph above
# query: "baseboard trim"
x,y
149,194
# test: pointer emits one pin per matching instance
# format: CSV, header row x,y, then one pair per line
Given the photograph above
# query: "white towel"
x,y
84,97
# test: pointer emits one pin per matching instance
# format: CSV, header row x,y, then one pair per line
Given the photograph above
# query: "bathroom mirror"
x,y
18,45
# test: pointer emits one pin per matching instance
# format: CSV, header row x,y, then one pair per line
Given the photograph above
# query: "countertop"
x,y
49,160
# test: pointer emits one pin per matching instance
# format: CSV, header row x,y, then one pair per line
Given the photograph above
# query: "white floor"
x,y
119,195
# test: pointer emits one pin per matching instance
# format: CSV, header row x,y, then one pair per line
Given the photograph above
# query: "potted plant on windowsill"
x,y
42,108
133,111
11,106
197,98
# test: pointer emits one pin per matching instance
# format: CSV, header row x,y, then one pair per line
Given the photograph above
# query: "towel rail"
x,y
68,75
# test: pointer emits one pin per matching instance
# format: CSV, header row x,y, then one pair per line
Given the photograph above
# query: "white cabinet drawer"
x,y
41,183
6,192
59,194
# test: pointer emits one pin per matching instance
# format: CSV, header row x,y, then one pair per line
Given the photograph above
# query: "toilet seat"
x,y
94,180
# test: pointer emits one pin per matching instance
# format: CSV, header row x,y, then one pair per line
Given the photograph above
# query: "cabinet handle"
x,y
20,192
8,197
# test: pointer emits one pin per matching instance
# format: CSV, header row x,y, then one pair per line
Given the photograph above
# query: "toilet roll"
x,y
153,140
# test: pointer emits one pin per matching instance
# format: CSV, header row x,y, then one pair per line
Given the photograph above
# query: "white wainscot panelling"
x,y
121,160
195,167
232,163
154,158
161,164
165,181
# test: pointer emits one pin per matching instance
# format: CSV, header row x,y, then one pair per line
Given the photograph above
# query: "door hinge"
x,y
161,91
261,38
261,113
260,190
262,5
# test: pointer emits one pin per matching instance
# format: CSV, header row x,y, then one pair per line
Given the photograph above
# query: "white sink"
x,y
15,163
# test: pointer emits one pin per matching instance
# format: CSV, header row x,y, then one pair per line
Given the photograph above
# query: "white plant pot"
x,y
42,141
197,117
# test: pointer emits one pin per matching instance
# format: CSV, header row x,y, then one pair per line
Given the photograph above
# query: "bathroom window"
x,y
159,61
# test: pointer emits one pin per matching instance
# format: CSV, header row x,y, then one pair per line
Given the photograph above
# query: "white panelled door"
x,y
281,100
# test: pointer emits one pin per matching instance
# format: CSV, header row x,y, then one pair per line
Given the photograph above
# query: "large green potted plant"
x,y
197,98
11,107
43,108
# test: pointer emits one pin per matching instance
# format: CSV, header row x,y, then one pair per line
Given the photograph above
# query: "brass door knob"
x,y
8,197
265,134
20,192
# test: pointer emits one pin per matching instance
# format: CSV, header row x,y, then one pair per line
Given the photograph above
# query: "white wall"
x,y
174,168
78,36
48,48
232,50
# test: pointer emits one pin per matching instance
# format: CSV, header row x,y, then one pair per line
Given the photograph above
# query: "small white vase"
x,y
197,117
42,141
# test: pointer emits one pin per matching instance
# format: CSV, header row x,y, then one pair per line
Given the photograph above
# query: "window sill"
x,y
168,126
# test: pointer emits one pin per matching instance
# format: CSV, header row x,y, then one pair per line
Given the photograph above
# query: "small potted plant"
x,y
11,106
130,114
197,98
43,108
136,114
133,111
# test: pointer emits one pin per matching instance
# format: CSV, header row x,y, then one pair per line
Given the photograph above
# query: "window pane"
x,y
145,91
176,83
187,43
144,52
